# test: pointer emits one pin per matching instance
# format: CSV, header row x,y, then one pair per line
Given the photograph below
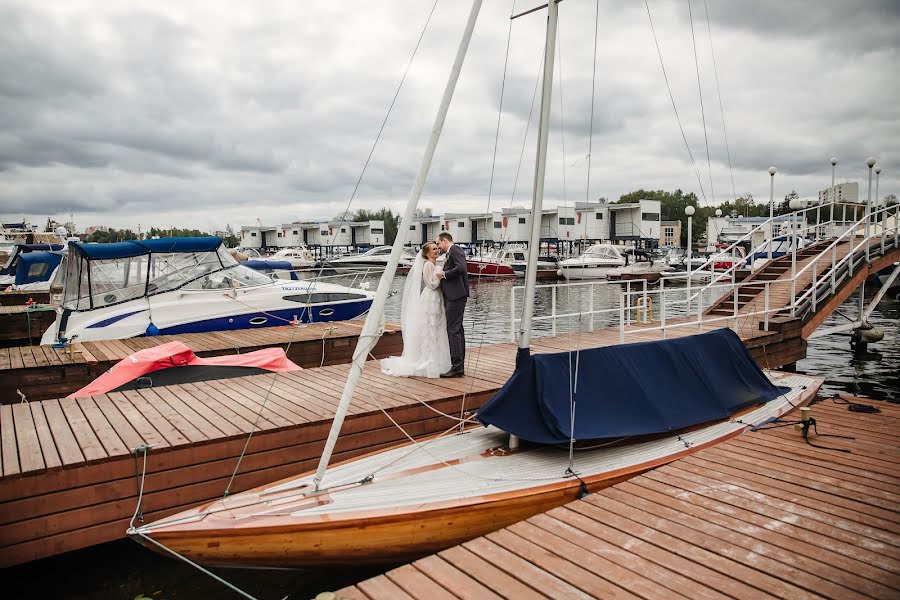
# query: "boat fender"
x,y
152,330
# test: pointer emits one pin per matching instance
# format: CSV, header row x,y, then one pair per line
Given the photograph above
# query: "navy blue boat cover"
x,y
629,389
139,247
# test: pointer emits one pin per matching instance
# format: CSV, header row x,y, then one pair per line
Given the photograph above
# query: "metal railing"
x,y
750,302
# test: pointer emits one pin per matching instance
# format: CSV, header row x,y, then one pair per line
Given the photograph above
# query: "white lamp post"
x,y
689,211
833,164
772,171
870,162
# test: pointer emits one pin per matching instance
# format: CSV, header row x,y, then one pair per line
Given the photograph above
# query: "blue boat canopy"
x,y
139,247
629,390
21,250
36,266
262,265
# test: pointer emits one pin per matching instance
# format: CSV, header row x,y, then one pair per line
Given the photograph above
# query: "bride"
x,y
426,349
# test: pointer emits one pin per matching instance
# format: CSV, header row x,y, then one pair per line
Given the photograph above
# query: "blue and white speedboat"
x,y
23,268
183,285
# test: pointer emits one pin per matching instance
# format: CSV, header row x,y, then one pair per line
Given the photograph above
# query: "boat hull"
x,y
478,268
373,541
362,521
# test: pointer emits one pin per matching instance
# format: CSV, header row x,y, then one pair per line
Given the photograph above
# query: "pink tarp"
x,y
176,354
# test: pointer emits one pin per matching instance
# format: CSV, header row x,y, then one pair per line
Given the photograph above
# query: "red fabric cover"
x,y
176,354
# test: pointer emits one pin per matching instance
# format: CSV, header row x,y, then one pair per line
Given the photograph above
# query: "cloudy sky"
x,y
202,114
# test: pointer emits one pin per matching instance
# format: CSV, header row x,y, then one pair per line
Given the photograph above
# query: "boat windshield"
x,y
602,251
94,283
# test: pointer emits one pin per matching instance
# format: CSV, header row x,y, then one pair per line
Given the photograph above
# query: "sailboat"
x,y
533,451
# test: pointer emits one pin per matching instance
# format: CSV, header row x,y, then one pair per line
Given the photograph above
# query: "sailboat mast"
x,y
540,169
372,328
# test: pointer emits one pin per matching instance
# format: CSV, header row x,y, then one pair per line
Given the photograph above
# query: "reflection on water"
x,y
875,374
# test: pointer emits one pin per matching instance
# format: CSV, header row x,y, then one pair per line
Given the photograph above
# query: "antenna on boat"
x,y
538,194
371,330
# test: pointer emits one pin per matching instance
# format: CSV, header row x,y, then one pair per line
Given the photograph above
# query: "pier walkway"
x,y
764,515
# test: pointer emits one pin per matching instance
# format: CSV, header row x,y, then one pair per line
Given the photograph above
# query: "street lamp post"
x,y
689,211
772,171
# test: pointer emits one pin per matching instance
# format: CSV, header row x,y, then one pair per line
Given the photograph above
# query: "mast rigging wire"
x,y
672,98
712,51
712,190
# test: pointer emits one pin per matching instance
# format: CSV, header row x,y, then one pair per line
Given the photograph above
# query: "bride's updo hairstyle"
x,y
426,249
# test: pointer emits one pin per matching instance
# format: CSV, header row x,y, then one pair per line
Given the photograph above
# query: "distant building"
x,y
670,234
96,228
847,193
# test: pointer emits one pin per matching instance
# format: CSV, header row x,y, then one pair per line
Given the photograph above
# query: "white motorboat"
x,y
300,257
374,259
183,285
30,267
595,263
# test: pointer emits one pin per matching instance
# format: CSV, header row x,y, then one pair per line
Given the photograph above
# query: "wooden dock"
x,y
20,324
70,478
43,372
763,515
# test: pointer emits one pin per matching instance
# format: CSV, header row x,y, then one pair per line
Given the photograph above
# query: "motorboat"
x,y
183,285
300,257
276,269
504,262
34,272
641,265
373,259
594,263
778,247
30,266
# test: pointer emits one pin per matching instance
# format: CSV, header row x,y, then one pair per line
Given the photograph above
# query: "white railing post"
x,y
628,302
621,319
870,162
591,306
793,278
833,268
766,301
815,282
512,315
734,292
834,162
662,307
700,308
553,310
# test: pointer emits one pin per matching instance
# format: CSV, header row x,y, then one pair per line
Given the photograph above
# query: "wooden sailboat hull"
x,y
269,529
383,540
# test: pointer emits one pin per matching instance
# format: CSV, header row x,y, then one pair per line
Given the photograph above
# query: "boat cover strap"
x,y
629,389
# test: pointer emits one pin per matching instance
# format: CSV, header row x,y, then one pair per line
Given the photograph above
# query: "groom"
x,y
455,289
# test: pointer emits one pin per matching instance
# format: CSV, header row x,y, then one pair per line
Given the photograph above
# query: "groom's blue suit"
x,y
455,289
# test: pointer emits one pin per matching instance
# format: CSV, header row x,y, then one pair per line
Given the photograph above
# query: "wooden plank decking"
x,y
43,372
763,515
69,478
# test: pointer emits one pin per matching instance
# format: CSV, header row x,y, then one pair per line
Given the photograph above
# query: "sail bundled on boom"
x,y
628,390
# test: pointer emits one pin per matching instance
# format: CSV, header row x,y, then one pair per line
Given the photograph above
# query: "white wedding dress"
x,y
426,349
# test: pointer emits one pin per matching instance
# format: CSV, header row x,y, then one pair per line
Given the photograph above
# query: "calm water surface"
x,y
124,570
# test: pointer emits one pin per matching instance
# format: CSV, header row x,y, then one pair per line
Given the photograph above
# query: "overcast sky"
x,y
200,114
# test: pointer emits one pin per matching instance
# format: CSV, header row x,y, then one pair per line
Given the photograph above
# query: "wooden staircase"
x,y
749,293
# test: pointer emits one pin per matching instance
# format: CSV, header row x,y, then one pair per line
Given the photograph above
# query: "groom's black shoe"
x,y
457,373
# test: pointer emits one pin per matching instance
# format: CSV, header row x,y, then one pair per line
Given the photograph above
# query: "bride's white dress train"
x,y
426,349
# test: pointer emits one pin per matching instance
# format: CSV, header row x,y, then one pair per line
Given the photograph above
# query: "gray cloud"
x,y
167,112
